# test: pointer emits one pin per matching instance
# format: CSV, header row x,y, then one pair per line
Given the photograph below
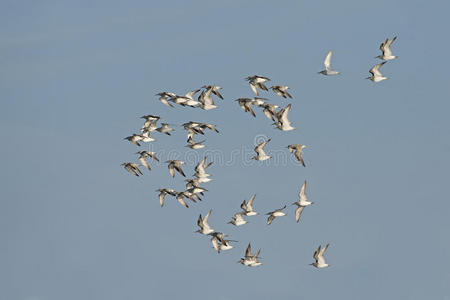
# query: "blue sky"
x,y
75,76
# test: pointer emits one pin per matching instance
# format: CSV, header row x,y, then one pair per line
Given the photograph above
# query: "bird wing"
x,y
375,71
205,220
248,107
316,254
254,88
179,170
298,213
250,202
270,219
171,169
298,155
161,198
327,61
248,251
260,148
180,200
387,48
302,194
269,114
244,205
199,220
284,115
144,162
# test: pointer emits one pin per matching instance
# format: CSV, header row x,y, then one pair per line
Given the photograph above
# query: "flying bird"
x,y
163,96
261,154
133,168
257,82
165,128
376,74
163,193
318,256
195,145
247,207
203,224
328,70
135,139
283,119
281,90
385,48
270,111
143,155
246,105
214,89
175,165
302,202
297,149
276,213
250,260
238,220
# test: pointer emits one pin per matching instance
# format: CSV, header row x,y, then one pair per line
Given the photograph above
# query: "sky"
x,y
75,76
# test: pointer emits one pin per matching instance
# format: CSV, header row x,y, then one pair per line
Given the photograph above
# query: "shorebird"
x,y
225,245
143,155
203,224
261,155
211,127
219,243
276,213
146,136
200,170
257,82
327,63
133,168
297,149
163,96
206,100
181,100
318,256
238,220
385,48
246,105
270,111
195,145
135,139
214,89
302,202
281,90
175,165
283,119
250,260
180,198
376,74
163,193
165,128
247,207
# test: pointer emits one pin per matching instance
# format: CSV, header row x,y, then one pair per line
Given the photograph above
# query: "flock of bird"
x,y
194,192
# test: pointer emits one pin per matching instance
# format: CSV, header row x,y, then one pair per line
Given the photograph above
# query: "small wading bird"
x,y
163,193
163,96
133,168
376,74
261,155
250,260
302,202
385,48
247,207
328,70
283,119
175,165
238,220
203,224
297,149
143,155
276,213
281,90
257,82
318,256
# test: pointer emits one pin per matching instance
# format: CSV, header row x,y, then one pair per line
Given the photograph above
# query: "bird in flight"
x,y
257,82
318,256
328,70
261,154
250,260
276,213
376,74
133,168
385,48
302,202
297,149
281,90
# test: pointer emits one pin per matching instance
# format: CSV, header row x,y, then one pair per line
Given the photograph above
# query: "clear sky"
x,y
76,75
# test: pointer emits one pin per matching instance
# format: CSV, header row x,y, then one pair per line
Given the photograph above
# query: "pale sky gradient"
x,y
75,76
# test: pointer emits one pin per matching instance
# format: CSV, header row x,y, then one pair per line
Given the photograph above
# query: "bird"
x,y
206,100
247,207
385,48
203,224
327,63
270,111
376,74
181,100
238,220
133,168
143,155
214,89
190,101
163,96
162,194
250,260
276,213
281,90
145,137
175,165
195,145
302,202
219,243
257,82
261,155
200,170
165,128
180,198
135,139
297,149
246,105
283,119
318,256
